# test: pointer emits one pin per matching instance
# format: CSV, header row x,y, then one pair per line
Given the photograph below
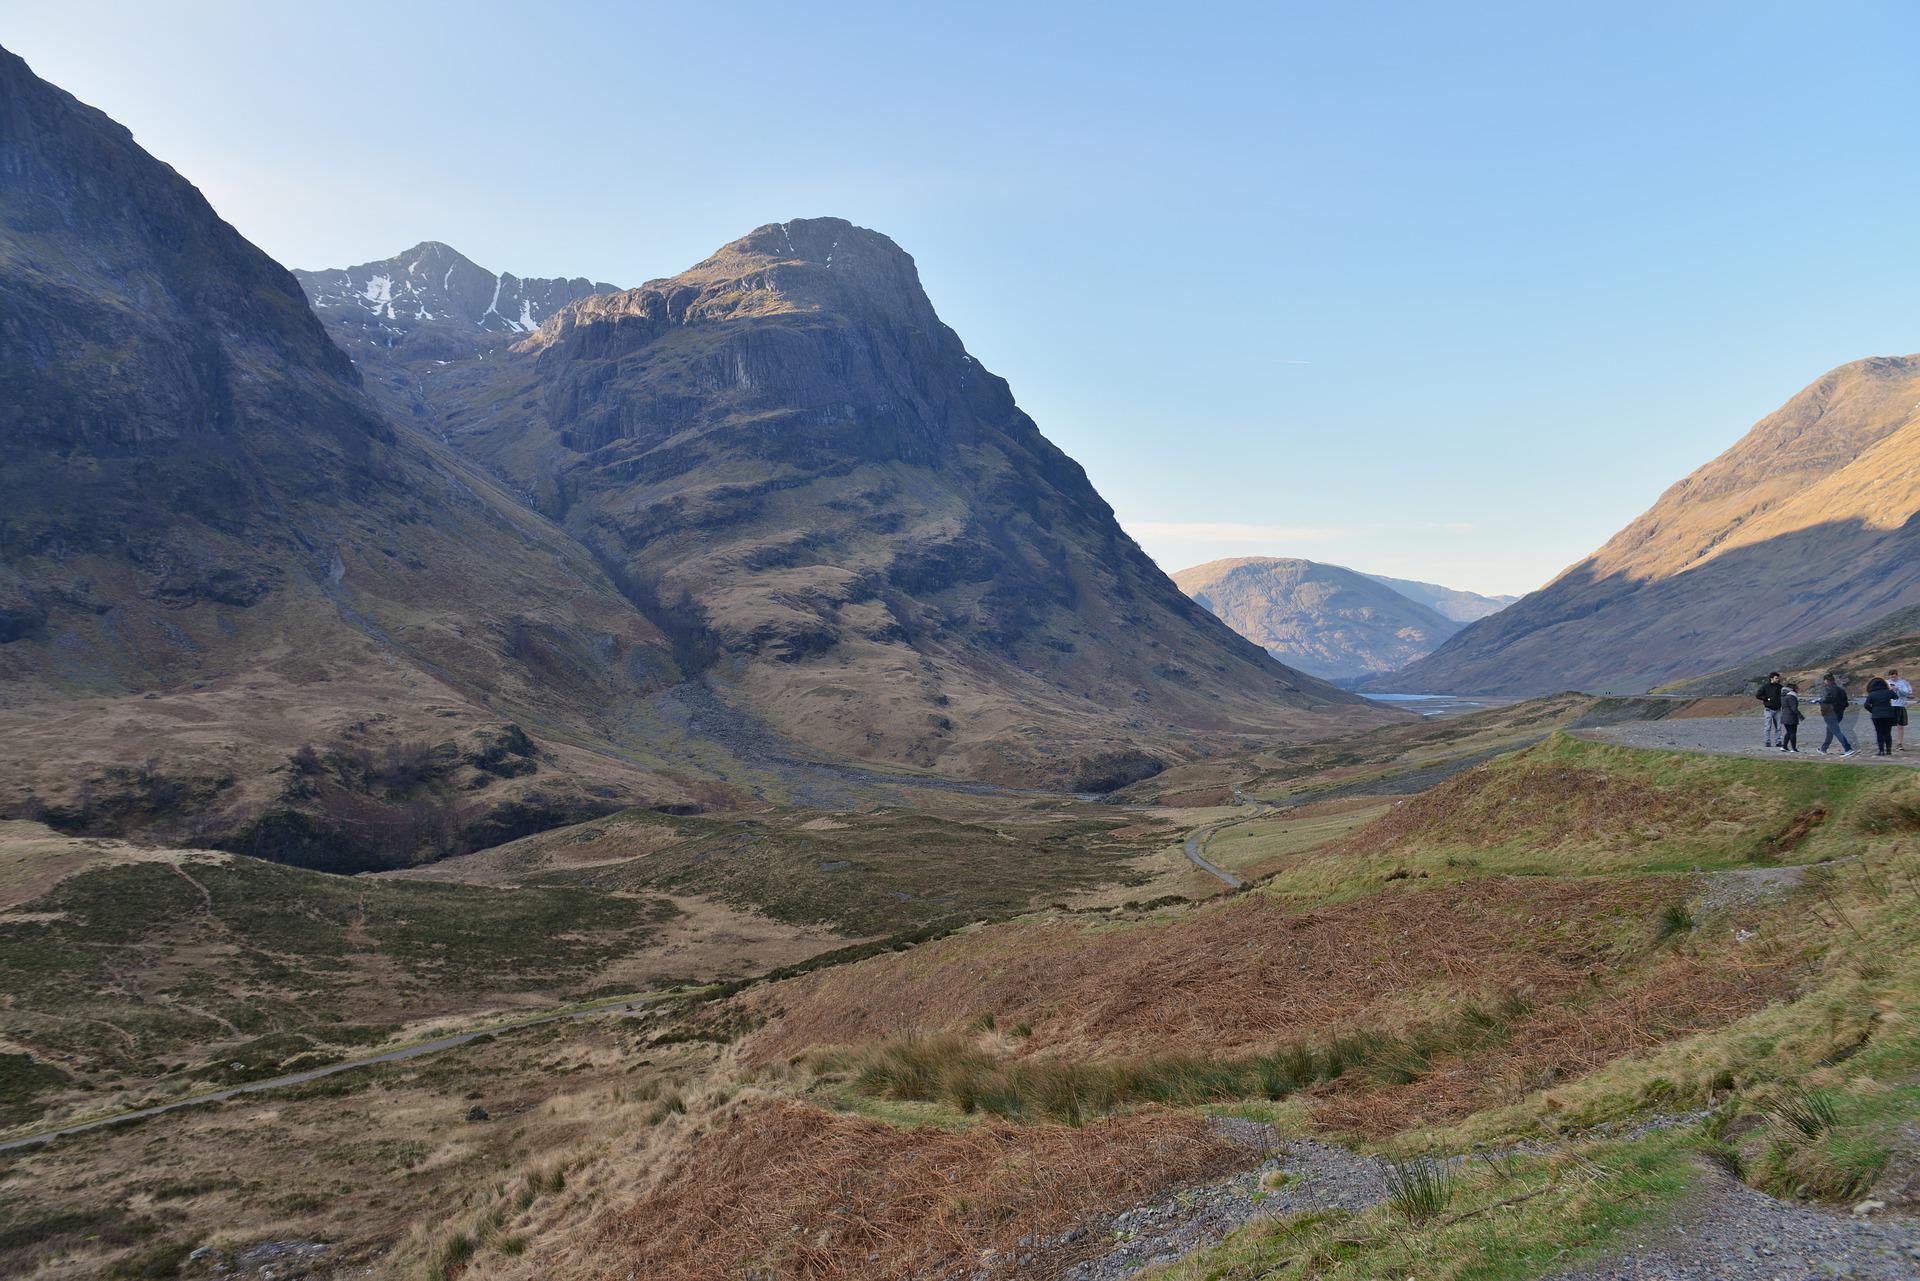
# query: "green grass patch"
x,y
1572,807
887,872
1482,1221
104,978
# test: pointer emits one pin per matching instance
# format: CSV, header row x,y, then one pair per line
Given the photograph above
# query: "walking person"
x,y
1879,704
1833,706
1769,696
1902,699
1790,719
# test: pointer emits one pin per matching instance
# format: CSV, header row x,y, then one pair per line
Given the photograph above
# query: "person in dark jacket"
x,y
1790,719
1769,696
1833,706
1879,704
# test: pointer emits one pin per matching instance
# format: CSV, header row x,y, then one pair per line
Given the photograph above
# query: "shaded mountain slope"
x,y
1809,525
213,546
853,527
1324,619
1891,641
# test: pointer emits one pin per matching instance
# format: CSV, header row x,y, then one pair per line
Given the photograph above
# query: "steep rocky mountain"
x,y
848,522
1448,602
1809,525
1333,622
432,292
215,549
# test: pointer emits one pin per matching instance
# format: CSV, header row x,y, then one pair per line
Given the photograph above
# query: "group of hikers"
x,y
1886,702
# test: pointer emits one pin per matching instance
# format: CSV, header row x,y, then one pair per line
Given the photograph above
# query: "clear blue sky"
x,y
1448,291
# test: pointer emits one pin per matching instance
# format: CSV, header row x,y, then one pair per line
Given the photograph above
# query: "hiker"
x,y
1879,704
1769,696
1790,719
1902,699
1833,706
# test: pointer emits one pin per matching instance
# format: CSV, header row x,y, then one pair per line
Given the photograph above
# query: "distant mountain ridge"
x,y
1807,526
433,283
1450,602
1334,622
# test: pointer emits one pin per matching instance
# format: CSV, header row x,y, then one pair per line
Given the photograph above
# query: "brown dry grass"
x,y
1676,997
1547,802
1249,974
788,1191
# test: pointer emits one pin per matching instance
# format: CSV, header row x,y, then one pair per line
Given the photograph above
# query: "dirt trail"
x,y
1730,1232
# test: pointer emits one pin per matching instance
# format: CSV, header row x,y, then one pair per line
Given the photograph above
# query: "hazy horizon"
x,y
1448,296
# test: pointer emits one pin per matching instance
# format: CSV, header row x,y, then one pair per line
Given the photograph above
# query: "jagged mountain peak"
x,y
435,284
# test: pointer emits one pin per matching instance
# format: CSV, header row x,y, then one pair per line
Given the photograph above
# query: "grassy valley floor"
x,y
1638,985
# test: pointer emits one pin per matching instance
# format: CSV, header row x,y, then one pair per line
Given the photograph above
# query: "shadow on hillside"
x,y
1620,633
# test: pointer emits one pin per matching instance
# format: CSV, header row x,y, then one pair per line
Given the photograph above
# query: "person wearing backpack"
x,y
1790,719
1879,705
1833,706
1769,696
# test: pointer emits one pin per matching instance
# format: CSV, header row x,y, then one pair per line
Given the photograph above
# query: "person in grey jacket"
x,y
1790,719
1833,706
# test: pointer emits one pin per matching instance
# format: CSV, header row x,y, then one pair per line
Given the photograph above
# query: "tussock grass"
x,y
961,1074
1799,1110
1421,1189
1674,920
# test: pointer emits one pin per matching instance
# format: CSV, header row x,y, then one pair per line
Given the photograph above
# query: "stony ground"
x,y
1743,736
1731,1232
1309,1176
1726,1232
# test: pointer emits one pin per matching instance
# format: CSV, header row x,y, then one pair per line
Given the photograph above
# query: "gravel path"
x,y
1731,1232
1746,885
1743,736
1320,1177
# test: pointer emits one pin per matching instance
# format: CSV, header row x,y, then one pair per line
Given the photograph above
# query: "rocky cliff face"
x,y
214,547
1808,526
1323,619
850,520
432,288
